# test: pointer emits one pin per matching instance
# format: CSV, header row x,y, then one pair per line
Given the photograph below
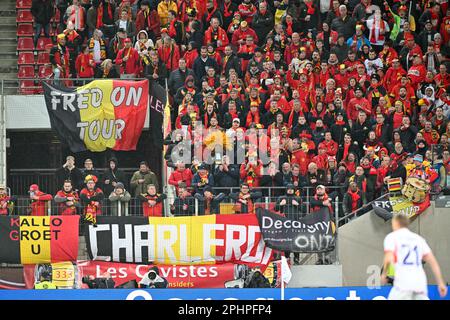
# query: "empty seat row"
x,y
27,44
27,30
26,57
28,72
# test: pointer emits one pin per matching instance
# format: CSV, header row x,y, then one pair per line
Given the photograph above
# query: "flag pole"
x,y
163,153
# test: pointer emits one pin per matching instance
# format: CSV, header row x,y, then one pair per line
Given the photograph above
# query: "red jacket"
x,y
38,207
331,146
177,176
132,65
301,158
392,77
211,37
4,199
152,211
63,209
190,57
151,23
84,66
352,112
170,56
417,74
240,34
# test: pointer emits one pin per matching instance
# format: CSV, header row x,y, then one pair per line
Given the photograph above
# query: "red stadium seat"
x,y
42,43
26,58
27,87
45,71
43,58
23,4
25,44
26,72
24,16
25,30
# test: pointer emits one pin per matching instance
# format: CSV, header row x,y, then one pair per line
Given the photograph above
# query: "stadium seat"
x,y
24,16
23,4
45,71
26,72
42,43
25,44
27,87
25,30
26,57
43,58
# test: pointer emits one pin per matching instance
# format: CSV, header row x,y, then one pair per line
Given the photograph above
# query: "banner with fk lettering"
x,y
99,115
31,240
195,240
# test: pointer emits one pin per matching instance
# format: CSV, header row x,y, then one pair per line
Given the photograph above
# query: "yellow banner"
x,y
35,241
401,205
63,274
181,239
98,115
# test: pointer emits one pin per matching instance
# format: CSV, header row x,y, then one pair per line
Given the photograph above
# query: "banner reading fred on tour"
x,y
31,240
102,114
179,240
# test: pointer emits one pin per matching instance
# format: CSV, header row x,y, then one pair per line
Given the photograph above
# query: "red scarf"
x,y
252,117
172,30
378,130
289,28
351,166
100,15
355,198
311,9
209,16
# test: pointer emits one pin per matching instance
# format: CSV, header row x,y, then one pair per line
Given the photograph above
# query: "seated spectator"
x,y
152,202
91,198
119,196
6,202
181,175
208,203
184,204
245,199
106,70
68,200
40,201
142,178
202,178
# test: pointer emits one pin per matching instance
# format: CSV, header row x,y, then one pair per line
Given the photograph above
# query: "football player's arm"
x,y
431,260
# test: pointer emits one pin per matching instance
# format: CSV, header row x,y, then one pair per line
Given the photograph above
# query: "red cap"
x,y
34,187
409,36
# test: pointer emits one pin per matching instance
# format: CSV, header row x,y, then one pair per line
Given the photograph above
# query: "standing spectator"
x,y
76,14
91,198
117,43
208,203
42,11
263,22
321,200
122,196
126,23
164,7
67,200
169,53
90,170
128,60
142,178
143,45
343,24
176,29
200,64
177,77
60,59
62,6
148,19
353,199
183,204
106,70
97,47
226,174
6,202
378,29
71,173
152,202
156,70
39,201
227,10
84,65
104,17
216,36
112,176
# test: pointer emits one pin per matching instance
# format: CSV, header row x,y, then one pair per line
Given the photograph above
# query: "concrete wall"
x,y
311,276
361,244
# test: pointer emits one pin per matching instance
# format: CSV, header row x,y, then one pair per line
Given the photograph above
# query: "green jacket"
x,y
140,188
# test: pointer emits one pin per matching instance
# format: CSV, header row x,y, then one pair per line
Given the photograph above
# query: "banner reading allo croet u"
x,y
31,240
207,239
102,114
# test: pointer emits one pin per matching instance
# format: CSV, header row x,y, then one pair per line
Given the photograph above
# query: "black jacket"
x,y
162,73
115,175
199,68
228,178
291,211
233,62
177,79
76,176
262,24
177,209
346,27
348,201
42,11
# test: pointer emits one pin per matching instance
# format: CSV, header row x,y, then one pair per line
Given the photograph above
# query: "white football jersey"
x,y
408,249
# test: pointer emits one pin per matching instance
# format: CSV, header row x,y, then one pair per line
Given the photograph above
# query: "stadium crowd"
x,y
358,90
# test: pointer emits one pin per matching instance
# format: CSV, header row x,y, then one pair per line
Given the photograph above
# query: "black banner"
x,y
383,208
158,100
312,234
